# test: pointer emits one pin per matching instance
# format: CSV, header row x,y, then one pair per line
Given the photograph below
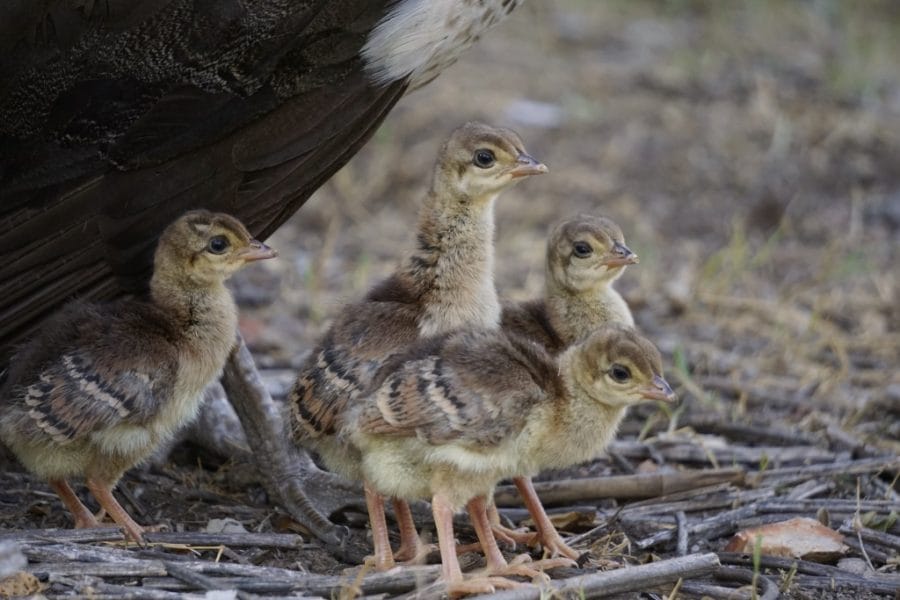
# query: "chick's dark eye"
x,y
483,158
582,249
620,373
218,244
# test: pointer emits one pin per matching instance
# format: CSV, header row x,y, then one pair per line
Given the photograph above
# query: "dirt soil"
x,y
751,154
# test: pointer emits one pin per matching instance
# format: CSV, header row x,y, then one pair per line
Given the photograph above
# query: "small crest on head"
x,y
621,343
585,225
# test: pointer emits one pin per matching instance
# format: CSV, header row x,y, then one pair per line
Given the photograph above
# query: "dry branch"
x,y
627,579
709,528
768,589
622,486
236,540
201,581
882,583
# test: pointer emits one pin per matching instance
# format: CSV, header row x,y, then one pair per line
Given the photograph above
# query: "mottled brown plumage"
x,y
446,283
101,386
455,415
585,255
118,116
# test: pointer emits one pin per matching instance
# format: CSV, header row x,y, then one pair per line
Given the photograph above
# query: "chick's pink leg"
x,y
496,564
411,549
384,559
103,493
450,572
84,518
547,534
507,535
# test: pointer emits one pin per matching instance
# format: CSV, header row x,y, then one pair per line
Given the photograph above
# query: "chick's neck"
x,y
454,245
192,302
575,314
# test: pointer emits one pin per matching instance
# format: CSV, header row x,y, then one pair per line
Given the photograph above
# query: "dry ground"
x,y
751,154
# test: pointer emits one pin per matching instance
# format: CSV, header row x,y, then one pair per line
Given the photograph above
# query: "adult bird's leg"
x,y
84,518
290,476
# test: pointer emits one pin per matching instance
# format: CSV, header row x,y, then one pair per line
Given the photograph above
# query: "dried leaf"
x,y
796,538
568,521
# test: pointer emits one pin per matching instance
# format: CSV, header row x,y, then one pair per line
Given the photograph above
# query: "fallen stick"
x,y
620,486
404,580
709,528
852,467
235,540
138,568
699,504
688,451
198,580
767,588
879,581
97,534
870,535
627,579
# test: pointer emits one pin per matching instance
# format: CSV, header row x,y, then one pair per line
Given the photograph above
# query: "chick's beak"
x,y
526,165
658,389
620,256
257,251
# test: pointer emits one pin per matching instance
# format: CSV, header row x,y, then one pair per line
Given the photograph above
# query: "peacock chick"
x,y
100,386
586,254
445,283
457,413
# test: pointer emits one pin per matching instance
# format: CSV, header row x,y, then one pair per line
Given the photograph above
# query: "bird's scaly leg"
x,y
496,564
546,532
451,574
384,558
103,493
84,518
290,476
411,550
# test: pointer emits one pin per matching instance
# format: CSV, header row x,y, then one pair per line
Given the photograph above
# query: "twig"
x,y
201,581
852,467
769,589
685,451
757,434
99,534
274,580
236,540
621,486
627,579
713,527
875,581
682,544
855,542
715,592
873,536
138,568
95,588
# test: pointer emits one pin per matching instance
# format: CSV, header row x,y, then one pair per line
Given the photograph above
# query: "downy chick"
x,y
102,385
446,283
585,255
457,413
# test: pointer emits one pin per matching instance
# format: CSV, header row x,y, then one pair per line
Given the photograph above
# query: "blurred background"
x,y
750,152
